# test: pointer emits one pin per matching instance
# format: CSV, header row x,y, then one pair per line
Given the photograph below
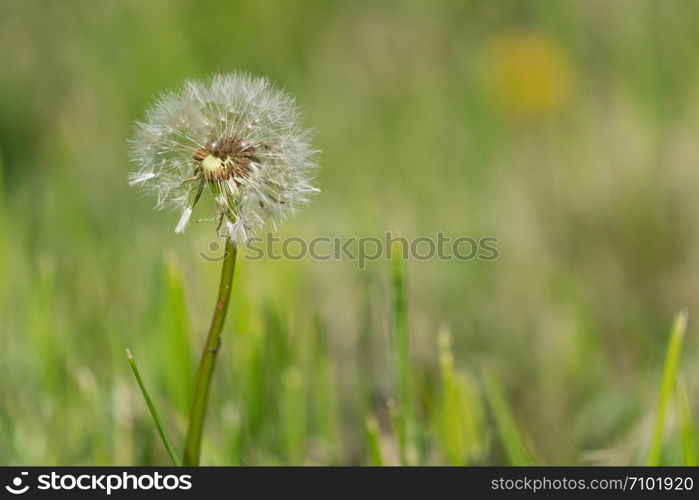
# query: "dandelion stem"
x,y
208,358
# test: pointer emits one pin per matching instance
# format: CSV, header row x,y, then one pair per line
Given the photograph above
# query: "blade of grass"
x,y
398,426
689,446
512,442
401,359
294,411
170,339
154,413
672,359
365,350
373,441
458,418
324,395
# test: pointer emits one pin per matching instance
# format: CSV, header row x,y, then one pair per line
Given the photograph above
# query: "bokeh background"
x,y
567,129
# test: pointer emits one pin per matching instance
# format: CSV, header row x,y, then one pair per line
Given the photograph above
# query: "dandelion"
x,y
530,74
234,137
240,140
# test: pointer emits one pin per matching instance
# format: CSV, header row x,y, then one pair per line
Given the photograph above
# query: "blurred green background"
x,y
567,129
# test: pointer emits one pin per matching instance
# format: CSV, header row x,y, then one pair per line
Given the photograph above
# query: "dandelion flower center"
x,y
220,160
212,164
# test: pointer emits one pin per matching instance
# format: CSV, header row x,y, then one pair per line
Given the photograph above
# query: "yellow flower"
x,y
530,74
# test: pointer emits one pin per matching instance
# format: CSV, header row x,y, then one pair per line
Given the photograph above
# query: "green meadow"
x,y
565,129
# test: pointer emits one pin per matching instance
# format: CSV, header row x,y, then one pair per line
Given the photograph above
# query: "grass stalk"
x,y
458,415
506,425
672,361
154,413
373,441
689,447
401,358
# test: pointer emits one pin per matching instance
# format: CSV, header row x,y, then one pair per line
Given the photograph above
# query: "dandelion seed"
x,y
234,137
184,220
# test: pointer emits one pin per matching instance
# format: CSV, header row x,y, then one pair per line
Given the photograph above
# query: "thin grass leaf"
x,y
44,342
672,360
510,437
325,411
398,426
373,441
294,412
689,446
3,229
401,358
458,418
154,413
170,337
366,350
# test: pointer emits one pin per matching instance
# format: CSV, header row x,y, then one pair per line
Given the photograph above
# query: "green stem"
x,y
208,359
407,432
672,361
154,413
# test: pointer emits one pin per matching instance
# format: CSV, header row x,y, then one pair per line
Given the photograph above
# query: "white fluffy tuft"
x,y
184,220
233,105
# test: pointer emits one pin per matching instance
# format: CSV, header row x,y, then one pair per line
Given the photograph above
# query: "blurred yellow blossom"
x,y
529,74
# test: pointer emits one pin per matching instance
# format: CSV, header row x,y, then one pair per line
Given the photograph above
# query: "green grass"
x,y
403,412
153,411
689,445
565,129
667,388
511,441
459,414
373,439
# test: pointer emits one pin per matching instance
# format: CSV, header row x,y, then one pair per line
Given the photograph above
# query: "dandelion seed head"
x,y
234,137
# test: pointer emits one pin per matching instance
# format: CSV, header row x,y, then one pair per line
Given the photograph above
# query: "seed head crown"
x,y
235,137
